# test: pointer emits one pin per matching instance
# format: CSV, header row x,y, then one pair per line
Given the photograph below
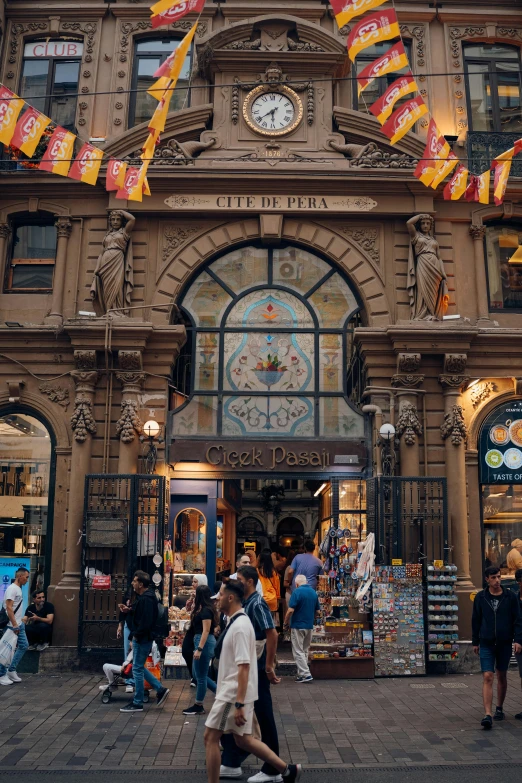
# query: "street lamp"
x,y
151,432
386,436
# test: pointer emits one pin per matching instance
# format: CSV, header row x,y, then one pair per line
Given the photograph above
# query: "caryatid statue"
x,y
426,282
113,282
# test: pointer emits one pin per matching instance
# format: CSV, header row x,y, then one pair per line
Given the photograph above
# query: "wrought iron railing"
x,y
484,147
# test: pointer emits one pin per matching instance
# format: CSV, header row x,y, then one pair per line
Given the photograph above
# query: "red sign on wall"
x,y
101,582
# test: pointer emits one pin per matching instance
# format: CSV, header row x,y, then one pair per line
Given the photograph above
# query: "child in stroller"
x,y
118,676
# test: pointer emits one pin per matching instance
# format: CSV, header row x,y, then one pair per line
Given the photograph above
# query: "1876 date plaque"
x,y
105,531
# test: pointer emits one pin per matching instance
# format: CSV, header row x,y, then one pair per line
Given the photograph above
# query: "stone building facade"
x,y
330,194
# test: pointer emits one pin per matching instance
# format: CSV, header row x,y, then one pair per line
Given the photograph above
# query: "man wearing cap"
x,y
514,558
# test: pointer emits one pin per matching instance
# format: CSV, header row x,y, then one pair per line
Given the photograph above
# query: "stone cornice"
x,y
365,126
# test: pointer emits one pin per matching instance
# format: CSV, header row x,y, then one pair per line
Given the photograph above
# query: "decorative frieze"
x,y
56,393
410,381
367,239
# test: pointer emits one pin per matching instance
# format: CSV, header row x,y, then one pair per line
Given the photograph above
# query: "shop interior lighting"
x,y
323,486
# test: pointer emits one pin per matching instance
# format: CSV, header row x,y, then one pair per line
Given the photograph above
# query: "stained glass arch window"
x,y
271,332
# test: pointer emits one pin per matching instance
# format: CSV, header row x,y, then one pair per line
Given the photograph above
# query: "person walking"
x,y
496,623
244,560
13,605
518,656
270,581
125,631
514,556
187,646
307,564
203,622
144,618
233,708
302,610
260,616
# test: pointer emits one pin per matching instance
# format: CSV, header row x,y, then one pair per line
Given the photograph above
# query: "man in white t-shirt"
x,y
233,708
13,604
244,560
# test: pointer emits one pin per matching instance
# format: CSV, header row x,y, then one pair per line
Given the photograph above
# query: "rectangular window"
x,y
504,267
148,56
250,485
31,264
493,85
291,484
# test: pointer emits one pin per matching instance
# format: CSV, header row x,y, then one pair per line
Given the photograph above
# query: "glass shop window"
x,y
502,516
190,533
379,86
30,265
250,485
504,267
148,56
493,86
352,508
50,73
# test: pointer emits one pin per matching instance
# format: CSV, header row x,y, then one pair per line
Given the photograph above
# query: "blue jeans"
x,y
140,653
21,647
200,667
126,643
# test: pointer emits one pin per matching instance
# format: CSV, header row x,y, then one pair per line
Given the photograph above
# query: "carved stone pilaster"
x,y
408,424
129,424
408,381
63,227
477,233
454,426
82,419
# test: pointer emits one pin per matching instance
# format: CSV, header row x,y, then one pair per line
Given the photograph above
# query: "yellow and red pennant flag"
x,y
137,191
86,165
10,108
392,60
381,26
346,10
115,178
502,167
172,66
58,155
158,90
518,146
29,130
478,188
437,149
445,168
383,107
130,184
404,118
456,187
159,118
169,11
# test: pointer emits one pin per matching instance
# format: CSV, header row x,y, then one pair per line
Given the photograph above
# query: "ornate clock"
x,y
273,111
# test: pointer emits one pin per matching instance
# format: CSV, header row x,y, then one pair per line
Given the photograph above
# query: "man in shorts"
x,y
233,709
496,623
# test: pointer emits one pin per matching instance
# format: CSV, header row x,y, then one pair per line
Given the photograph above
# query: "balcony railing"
x,y
484,147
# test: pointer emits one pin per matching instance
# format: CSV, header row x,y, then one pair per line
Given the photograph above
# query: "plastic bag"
x,y
153,668
8,644
155,653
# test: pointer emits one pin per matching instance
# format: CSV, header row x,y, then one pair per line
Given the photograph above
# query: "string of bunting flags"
x,y
438,161
26,131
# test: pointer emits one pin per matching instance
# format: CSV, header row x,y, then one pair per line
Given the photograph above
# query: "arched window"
x,y
271,333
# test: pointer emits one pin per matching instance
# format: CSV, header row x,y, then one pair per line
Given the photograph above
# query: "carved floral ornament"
x,y
480,392
56,393
408,424
366,238
82,420
129,424
454,426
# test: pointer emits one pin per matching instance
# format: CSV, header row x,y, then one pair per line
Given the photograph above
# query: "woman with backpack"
x,y
202,624
270,580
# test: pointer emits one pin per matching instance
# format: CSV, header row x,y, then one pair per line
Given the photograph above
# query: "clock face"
x,y
273,111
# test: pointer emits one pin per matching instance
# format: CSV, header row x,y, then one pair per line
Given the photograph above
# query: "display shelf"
x,y
442,605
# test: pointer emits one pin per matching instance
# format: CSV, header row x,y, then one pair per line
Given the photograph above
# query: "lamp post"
x,y
386,436
150,435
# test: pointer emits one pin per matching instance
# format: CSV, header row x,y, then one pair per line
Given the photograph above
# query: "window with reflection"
x,y
50,73
30,266
493,85
379,86
271,332
190,541
149,54
502,516
504,266
25,462
352,508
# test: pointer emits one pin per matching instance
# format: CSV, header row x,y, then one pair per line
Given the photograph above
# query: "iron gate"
x,y
123,528
409,517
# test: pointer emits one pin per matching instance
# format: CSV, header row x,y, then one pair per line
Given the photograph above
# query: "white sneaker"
x,y
129,689
42,647
230,772
5,680
13,676
262,777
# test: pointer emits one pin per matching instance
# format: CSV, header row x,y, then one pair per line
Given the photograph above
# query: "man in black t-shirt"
x,y
39,618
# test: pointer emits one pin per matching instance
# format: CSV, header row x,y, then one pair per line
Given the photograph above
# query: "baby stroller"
x,y
118,676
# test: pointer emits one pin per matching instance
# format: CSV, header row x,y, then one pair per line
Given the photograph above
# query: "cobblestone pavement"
x,y
59,722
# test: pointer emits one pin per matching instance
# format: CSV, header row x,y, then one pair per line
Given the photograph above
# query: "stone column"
x,y
5,235
408,430
477,233
453,431
83,425
63,232
129,426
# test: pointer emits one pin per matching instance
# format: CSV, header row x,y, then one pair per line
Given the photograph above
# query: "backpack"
x,y
161,628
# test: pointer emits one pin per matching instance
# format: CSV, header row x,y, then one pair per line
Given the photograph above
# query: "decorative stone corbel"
x,y
408,375
15,390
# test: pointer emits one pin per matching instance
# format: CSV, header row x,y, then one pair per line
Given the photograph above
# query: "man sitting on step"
x,y
39,618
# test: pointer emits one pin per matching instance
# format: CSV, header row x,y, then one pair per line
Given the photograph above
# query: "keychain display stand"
x,y
443,608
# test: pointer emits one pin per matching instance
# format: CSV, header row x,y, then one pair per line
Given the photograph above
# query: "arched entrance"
x,y
250,534
27,473
290,533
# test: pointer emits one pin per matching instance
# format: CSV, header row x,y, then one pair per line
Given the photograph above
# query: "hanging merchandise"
x,y
169,11
443,607
398,621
